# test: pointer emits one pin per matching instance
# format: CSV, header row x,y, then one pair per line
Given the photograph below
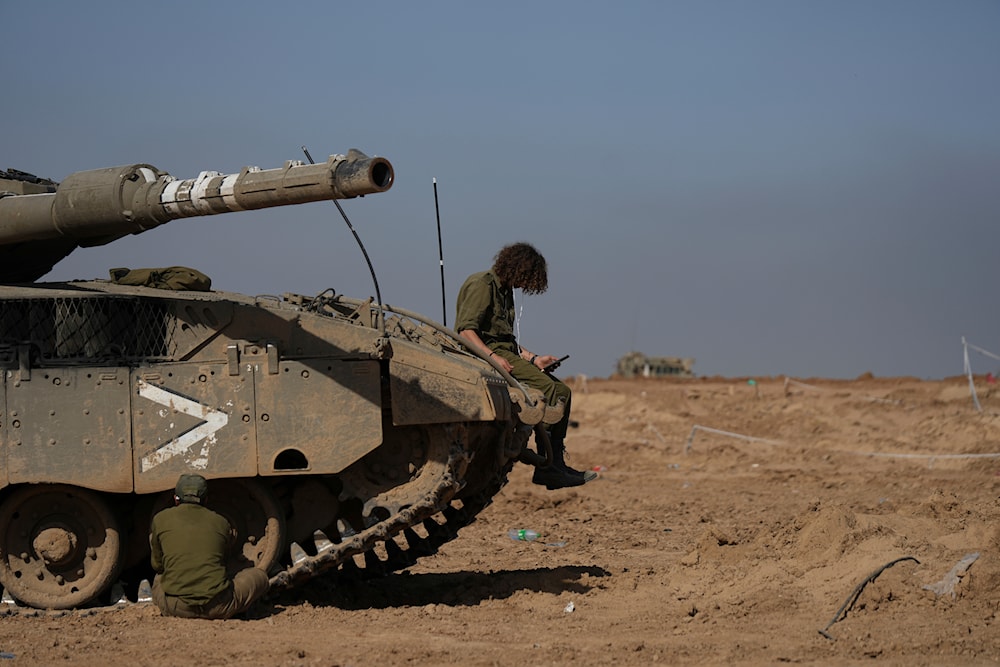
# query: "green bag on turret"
x,y
179,278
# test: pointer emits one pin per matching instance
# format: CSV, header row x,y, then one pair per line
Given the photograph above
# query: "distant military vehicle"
x,y
637,364
338,434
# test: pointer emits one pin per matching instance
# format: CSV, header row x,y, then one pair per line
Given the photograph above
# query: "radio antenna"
x,y
437,211
371,269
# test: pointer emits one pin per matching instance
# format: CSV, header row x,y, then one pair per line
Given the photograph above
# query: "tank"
x,y
637,364
340,436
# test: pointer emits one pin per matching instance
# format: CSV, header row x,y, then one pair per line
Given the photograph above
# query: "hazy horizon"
x,y
772,188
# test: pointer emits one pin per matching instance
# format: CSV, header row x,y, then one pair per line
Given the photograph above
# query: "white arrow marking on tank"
x,y
213,420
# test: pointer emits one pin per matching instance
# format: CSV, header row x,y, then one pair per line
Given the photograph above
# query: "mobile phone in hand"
x,y
555,363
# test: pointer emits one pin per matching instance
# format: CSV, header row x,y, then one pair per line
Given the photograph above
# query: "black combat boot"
x,y
559,475
559,461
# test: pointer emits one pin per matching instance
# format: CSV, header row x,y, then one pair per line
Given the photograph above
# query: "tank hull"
x,y
325,432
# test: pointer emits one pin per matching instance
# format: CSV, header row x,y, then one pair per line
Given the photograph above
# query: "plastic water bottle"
x,y
523,534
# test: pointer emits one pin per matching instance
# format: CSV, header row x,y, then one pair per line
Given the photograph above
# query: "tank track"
x,y
338,557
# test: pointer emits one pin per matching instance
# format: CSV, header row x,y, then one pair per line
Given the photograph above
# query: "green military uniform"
x,y
487,307
188,548
189,545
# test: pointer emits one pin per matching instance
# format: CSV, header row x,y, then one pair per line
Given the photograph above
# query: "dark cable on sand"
x,y
853,597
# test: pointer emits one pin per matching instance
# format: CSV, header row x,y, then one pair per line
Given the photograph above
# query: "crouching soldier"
x,y
189,545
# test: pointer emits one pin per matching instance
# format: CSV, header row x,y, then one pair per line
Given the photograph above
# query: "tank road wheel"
x,y
60,546
254,512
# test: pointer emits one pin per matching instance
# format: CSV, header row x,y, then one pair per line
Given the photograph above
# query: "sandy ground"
x,y
738,541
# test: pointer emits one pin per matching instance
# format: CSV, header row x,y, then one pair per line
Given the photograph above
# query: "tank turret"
x,y
41,223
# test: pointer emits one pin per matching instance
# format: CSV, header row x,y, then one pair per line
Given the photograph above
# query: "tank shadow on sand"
x,y
453,589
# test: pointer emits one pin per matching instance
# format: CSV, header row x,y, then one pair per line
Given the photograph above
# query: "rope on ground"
x,y
885,455
650,427
932,457
873,399
698,427
853,597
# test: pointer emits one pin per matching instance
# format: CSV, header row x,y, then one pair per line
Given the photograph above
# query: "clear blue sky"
x,y
773,187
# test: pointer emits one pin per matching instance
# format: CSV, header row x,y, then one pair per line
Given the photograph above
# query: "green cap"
x,y
191,488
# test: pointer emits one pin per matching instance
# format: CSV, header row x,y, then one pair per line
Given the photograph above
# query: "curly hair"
x,y
520,265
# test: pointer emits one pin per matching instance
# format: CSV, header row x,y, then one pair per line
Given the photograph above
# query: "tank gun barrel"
x,y
98,206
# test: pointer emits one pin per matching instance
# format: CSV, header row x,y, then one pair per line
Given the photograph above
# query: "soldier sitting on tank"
x,y
485,319
189,544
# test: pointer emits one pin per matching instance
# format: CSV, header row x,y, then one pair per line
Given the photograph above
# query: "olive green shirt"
x,y
487,308
189,545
